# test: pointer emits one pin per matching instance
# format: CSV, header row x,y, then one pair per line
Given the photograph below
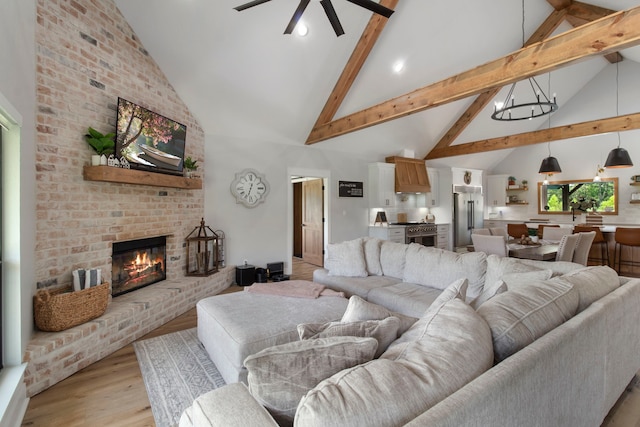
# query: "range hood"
x,y
411,175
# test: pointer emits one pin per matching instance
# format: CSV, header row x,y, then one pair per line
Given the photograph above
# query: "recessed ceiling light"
x,y
302,29
398,67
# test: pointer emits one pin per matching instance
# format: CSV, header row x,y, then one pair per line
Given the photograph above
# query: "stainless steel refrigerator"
x,y
467,213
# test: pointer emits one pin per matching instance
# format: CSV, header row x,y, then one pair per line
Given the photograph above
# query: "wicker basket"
x,y
59,309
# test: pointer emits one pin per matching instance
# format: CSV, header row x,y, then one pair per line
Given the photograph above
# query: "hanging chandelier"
x,y
538,105
618,157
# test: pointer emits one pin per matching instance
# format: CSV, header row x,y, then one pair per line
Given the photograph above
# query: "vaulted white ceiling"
x,y
242,78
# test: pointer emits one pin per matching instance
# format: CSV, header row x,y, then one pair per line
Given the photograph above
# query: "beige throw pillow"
x,y
372,255
358,309
279,376
519,317
592,283
385,331
346,259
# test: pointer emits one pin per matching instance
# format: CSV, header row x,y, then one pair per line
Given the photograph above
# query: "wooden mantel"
x,y
134,176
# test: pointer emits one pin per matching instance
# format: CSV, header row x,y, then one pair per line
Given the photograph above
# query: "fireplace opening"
x,y
137,263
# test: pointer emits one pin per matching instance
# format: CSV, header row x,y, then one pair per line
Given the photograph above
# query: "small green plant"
x,y
190,164
102,144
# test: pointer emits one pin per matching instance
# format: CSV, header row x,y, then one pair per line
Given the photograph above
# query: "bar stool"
x,y
625,237
517,230
599,240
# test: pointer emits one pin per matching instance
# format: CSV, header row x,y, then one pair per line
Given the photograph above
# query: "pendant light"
x,y
549,164
618,157
539,105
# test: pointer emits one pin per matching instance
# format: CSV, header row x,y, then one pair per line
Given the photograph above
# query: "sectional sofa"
x,y
481,340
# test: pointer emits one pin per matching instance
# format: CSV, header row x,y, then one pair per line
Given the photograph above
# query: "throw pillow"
x,y
372,255
592,283
451,347
436,268
385,331
392,258
519,317
457,289
359,309
279,376
489,291
499,266
346,259
518,280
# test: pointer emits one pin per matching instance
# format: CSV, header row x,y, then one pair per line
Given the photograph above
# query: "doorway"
x,y
309,219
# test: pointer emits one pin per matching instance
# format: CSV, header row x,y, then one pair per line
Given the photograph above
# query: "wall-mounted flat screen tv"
x,y
148,140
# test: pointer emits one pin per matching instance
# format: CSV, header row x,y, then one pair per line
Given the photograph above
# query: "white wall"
x,y
17,89
579,157
262,234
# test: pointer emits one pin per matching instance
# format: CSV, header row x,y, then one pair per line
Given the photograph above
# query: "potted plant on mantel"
x,y
189,167
103,145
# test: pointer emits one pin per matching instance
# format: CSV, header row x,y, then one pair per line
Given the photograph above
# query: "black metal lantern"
x,y
202,251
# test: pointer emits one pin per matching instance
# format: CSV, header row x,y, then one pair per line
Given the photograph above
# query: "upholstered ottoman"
x,y
236,325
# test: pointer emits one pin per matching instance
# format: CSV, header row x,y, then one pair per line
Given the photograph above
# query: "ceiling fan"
x,y
328,9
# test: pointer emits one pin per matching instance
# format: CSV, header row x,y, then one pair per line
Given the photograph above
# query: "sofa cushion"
x,y
517,280
450,346
360,286
592,283
346,259
392,258
406,298
385,331
520,316
372,255
437,268
359,309
279,376
489,290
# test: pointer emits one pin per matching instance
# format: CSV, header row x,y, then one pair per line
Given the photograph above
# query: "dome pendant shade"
x,y
550,165
618,158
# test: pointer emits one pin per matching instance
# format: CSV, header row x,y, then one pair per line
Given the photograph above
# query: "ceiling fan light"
x,y
618,158
550,165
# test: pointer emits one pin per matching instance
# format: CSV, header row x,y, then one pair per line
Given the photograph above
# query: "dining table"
x,y
540,252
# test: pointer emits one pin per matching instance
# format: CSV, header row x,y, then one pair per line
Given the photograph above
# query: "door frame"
x,y
323,174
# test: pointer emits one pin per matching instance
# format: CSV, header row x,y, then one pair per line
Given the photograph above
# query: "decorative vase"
x,y
188,173
95,160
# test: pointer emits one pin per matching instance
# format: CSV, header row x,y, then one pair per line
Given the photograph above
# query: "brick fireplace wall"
x,y
88,56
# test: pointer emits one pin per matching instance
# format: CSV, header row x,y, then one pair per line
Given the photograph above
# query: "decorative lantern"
x,y
221,263
202,251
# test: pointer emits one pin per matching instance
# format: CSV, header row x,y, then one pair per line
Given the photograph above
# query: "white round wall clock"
x,y
250,188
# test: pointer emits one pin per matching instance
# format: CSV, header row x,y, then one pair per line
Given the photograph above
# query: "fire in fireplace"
x,y
137,263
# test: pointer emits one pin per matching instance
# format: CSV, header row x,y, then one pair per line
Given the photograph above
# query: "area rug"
x,y
176,369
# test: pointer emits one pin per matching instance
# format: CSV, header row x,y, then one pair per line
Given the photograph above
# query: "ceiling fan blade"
x,y
333,17
374,7
296,16
250,4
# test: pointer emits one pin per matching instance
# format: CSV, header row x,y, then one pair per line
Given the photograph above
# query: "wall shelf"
x,y
517,203
139,177
635,183
518,189
635,202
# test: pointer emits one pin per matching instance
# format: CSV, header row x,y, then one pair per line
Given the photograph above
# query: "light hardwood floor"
x,y
111,392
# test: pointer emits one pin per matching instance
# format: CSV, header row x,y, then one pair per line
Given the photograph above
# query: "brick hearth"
x,y
54,356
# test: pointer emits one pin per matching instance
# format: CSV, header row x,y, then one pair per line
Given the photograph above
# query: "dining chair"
x,y
629,238
554,234
490,244
517,230
567,247
499,231
598,241
581,253
484,231
541,228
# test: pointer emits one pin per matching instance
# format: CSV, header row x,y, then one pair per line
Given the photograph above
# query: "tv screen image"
x,y
148,140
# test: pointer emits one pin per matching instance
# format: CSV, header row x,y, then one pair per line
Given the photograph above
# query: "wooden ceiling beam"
x,y
606,35
354,65
545,30
560,4
594,127
579,13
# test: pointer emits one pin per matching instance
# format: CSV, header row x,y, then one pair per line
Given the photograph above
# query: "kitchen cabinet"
x,y
497,190
496,223
392,233
431,199
382,185
442,241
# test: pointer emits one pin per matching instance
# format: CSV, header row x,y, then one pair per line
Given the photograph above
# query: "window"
x,y
563,197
